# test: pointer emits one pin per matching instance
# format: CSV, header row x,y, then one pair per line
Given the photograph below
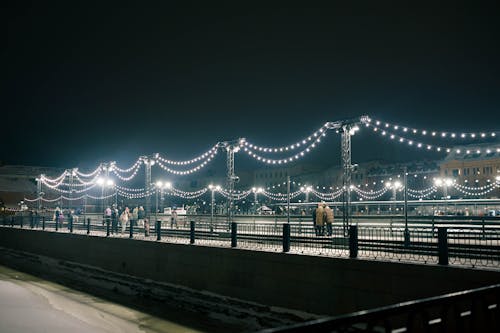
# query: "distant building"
x,y
19,181
472,166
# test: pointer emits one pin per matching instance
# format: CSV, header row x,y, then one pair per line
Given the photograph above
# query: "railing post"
x,y
71,223
484,229
353,241
22,219
443,246
57,226
432,226
12,221
131,229
43,222
407,237
234,234
88,226
191,232
158,230
107,226
32,222
286,237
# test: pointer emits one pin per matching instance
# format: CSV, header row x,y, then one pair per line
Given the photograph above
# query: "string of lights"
x,y
320,132
186,172
88,175
422,145
137,164
327,196
478,194
370,195
57,180
423,194
86,183
188,195
132,176
126,189
288,159
281,196
235,196
410,142
437,134
210,153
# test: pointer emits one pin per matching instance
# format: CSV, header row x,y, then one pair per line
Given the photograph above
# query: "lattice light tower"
x,y
148,162
231,147
347,128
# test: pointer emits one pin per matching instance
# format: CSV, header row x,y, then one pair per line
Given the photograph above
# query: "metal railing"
x,y
476,310
473,245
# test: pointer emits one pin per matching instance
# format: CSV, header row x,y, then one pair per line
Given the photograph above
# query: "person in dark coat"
x,y
314,221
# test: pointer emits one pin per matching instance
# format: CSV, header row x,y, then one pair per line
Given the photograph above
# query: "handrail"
x,y
488,311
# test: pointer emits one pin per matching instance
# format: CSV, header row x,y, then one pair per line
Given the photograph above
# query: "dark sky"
x,y
81,84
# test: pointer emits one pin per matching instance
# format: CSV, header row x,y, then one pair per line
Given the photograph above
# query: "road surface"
x,y
30,304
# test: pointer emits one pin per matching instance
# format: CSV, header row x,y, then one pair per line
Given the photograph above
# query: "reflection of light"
x,y
109,182
100,181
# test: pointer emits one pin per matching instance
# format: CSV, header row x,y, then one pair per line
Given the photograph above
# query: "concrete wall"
x,y
309,283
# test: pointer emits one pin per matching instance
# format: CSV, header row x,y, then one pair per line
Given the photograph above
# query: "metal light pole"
x,y
255,198
406,197
148,162
444,182
288,198
39,192
212,188
231,147
406,232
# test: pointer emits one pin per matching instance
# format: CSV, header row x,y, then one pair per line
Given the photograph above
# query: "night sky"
x,y
83,84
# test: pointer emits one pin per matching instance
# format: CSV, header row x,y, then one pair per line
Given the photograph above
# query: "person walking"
x,y
329,220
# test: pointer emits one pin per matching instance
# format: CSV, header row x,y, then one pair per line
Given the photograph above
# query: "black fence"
x,y
456,244
476,310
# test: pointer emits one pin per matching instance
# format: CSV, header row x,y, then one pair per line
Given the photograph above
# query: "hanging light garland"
x,y
188,195
430,147
210,153
88,175
313,143
370,195
190,171
311,138
437,134
235,196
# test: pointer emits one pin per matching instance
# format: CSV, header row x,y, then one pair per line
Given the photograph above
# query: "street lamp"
x,y
255,191
444,183
306,190
213,188
395,186
160,185
104,182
